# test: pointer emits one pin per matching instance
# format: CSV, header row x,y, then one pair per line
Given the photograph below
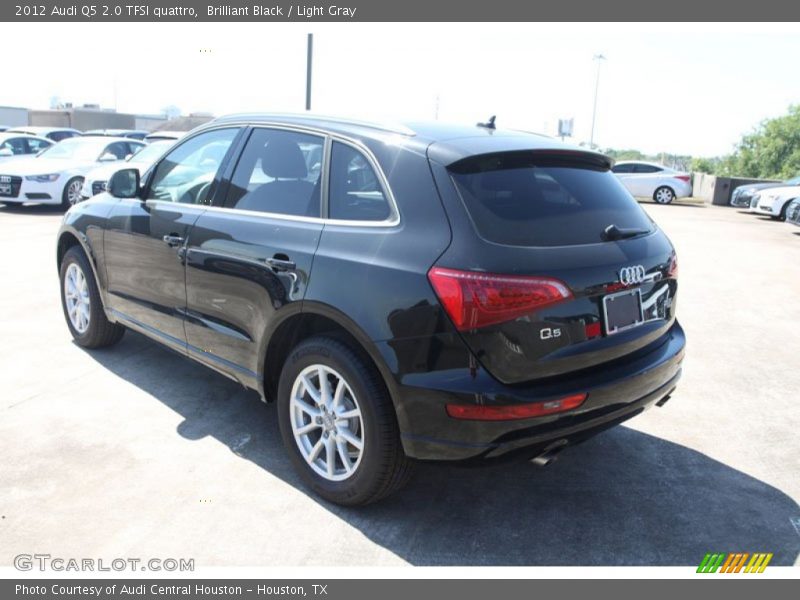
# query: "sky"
x,y
677,88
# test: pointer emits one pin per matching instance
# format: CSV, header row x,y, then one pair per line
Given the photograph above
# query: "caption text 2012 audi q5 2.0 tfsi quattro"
x,y
427,292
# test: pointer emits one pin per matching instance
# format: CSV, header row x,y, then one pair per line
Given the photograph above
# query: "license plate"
x,y
623,310
5,189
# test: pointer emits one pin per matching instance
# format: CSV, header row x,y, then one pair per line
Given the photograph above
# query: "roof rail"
x,y
387,127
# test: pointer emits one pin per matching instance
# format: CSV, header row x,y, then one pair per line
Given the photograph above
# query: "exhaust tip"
x,y
549,455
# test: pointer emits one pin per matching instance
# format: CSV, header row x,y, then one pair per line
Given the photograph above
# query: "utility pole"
x,y
309,60
598,58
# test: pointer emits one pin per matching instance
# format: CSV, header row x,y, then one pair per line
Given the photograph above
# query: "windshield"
x,y
151,152
519,199
76,148
793,181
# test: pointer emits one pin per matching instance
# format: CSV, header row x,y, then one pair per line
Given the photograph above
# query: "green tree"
x,y
772,151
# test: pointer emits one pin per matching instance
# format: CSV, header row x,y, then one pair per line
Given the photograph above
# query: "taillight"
x,y
672,271
685,178
481,412
474,300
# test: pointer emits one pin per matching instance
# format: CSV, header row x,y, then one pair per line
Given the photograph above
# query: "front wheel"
x,y
72,192
664,195
82,306
338,424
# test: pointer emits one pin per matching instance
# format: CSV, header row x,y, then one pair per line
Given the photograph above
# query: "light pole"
x,y
309,60
598,58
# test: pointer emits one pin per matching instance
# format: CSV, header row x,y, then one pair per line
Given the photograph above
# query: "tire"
x,y
664,195
782,216
89,326
72,193
380,467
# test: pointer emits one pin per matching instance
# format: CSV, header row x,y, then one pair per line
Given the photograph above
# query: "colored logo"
x,y
735,562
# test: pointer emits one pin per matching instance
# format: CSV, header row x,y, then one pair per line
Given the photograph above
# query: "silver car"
x,y
651,180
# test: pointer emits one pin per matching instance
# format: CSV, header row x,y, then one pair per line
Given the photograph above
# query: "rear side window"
x,y
524,199
355,192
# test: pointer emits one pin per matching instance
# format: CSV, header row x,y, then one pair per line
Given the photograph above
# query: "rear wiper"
x,y
613,233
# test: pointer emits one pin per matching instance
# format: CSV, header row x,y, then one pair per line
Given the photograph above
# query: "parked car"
x,y
650,180
3,127
775,201
164,135
426,292
55,176
136,134
96,179
51,133
15,145
793,212
743,194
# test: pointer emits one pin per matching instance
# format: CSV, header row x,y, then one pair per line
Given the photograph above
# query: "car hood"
x,y
42,166
782,191
104,172
755,187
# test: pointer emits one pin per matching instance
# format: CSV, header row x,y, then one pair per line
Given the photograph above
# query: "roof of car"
x,y
112,132
446,142
5,135
40,129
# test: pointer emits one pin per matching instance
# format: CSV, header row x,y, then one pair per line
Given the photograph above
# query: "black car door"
x,y
251,258
145,239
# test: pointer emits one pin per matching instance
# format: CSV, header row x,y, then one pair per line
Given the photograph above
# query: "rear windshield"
x,y
527,199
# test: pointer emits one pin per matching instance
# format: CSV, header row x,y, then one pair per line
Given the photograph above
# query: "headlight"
x,y
43,178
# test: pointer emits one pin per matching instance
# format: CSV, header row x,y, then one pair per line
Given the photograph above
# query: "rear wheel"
x,y
72,192
338,424
83,309
664,195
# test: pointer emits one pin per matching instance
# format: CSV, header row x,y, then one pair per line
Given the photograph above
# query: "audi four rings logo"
x,y
631,275
5,179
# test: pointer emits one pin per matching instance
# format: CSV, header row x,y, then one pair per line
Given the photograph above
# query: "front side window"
x,y
118,149
355,192
278,172
187,174
35,145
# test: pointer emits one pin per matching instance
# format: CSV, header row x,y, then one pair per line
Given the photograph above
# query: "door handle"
x,y
173,240
280,264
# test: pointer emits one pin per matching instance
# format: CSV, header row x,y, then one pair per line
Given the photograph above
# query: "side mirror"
x,y
108,157
6,152
124,183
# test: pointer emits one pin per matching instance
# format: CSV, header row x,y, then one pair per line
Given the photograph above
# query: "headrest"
x,y
283,159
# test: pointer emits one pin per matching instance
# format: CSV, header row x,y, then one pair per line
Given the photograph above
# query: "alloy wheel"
x,y
76,297
326,422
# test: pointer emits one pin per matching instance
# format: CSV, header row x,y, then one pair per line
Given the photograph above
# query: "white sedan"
x,y
55,176
96,179
649,180
775,201
14,145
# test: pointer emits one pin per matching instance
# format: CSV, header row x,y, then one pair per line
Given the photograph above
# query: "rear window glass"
x,y
524,199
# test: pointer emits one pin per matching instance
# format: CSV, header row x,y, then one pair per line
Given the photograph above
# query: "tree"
x,y
772,151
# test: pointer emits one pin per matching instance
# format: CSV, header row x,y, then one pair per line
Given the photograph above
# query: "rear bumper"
x,y
616,392
682,188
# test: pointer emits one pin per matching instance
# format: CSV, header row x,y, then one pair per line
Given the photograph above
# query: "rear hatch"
x,y
554,267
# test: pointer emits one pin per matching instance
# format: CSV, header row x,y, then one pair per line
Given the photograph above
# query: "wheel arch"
x,y
69,238
319,319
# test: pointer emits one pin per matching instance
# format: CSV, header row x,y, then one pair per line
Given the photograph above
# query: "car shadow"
x,y
623,498
676,202
30,209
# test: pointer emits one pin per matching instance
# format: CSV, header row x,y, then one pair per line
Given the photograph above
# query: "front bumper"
x,y
34,191
616,391
741,201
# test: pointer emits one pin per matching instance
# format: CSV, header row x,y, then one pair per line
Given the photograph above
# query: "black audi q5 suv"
x,y
403,293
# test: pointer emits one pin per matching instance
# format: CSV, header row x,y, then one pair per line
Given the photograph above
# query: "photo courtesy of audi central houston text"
x,y
290,294
505,294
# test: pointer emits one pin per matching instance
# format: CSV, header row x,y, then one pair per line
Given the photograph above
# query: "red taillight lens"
x,y
474,300
673,267
479,412
685,178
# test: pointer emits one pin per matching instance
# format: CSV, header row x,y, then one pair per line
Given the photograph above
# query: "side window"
x,y
16,145
278,172
622,168
355,192
35,145
187,173
647,169
133,148
118,149
57,136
